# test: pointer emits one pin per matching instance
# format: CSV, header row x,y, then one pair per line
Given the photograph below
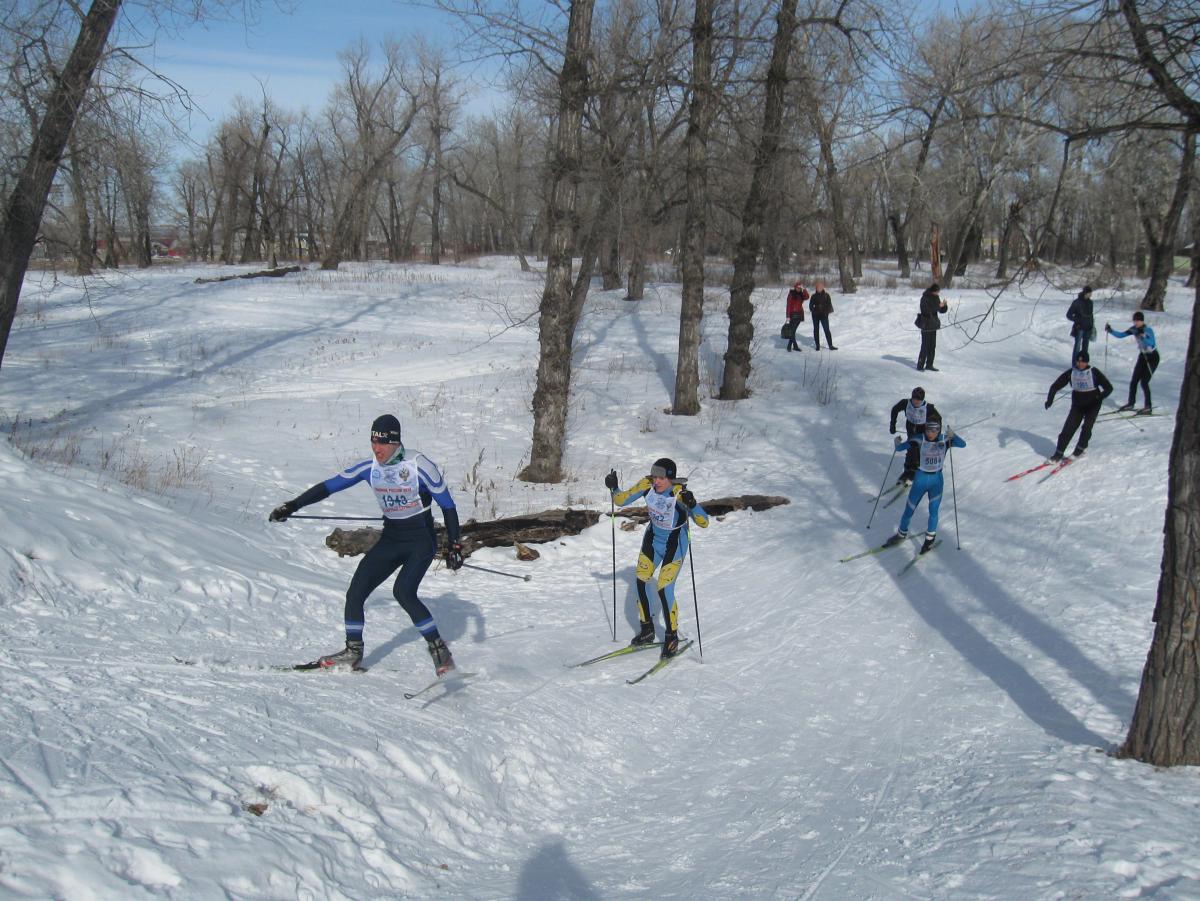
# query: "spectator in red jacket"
x,y
795,312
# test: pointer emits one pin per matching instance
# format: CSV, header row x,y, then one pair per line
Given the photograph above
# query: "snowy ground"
x,y
850,733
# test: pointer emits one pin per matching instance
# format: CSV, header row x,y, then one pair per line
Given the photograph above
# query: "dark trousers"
x,y
1080,413
794,322
928,346
912,456
411,550
818,322
1145,367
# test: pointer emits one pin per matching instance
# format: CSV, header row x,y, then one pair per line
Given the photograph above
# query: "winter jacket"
x,y
821,304
795,303
1101,386
931,305
931,412
1080,313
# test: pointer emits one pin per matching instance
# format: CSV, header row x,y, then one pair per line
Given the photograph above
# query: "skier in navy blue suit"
x,y
406,484
932,448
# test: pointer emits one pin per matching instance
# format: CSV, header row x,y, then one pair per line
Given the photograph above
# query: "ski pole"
x,y
340,518
496,572
612,518
887,472
976,422
954,497
696,606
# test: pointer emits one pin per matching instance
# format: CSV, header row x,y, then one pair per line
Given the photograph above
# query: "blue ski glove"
x,y
687,499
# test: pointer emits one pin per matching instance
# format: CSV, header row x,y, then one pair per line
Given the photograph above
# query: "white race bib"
x,y
661,508
398,489
1083,379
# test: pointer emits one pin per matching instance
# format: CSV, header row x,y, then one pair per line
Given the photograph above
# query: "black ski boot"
x,y
1056,456
645,636
670,644
442,661
895,539
349,658
1078,452
927,546
1124,407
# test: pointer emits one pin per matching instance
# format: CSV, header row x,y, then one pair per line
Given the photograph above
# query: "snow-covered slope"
x,y
850,732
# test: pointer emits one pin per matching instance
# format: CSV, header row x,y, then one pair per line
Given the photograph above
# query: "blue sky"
x,y
293,54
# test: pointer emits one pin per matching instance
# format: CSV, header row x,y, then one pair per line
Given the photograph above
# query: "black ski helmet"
x,y
386,429
664,467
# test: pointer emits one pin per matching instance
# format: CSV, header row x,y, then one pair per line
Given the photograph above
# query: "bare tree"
x,y
1165,730
559,312
27,199
687,372
745,257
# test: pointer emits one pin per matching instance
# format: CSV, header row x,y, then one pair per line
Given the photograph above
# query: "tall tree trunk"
x,y
27,202
899,231
1165,730
84,254
1006,238
556,328
745,256
1162,239
687,370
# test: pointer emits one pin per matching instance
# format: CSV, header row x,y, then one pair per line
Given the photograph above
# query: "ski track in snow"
x,y
848,734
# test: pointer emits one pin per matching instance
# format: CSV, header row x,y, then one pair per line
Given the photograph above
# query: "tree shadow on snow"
x,y
549,875
1031,697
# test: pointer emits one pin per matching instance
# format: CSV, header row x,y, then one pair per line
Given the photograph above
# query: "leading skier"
x,y
405,484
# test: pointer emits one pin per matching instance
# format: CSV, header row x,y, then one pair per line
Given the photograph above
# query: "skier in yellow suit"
x,y
664,544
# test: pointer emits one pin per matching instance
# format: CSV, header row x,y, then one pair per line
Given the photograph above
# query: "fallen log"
x,y
538,528
277,272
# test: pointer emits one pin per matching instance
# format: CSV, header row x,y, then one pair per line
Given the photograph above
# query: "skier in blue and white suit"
x,y
664,543
406,484
932,448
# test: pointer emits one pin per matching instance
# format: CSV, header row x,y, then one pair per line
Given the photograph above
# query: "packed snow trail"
x,y
850,733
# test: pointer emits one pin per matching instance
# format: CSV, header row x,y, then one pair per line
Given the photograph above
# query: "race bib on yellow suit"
x,y
397,487
661,508
1083,380
933,454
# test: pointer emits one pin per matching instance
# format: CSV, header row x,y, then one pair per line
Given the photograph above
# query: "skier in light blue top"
x,y
1147,360
932,448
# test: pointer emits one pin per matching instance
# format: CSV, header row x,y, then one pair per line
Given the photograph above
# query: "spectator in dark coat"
x,y
795,312
1082,316
929,323
821,306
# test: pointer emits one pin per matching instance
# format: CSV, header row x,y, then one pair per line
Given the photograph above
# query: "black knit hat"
x,y
386,429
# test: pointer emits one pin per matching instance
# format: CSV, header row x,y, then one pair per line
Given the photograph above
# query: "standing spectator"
x,y
929,323
1147,360
1081,314
795,312
821,306
1089,387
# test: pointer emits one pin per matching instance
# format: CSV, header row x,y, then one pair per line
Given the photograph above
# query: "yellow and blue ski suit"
x,y
664,544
